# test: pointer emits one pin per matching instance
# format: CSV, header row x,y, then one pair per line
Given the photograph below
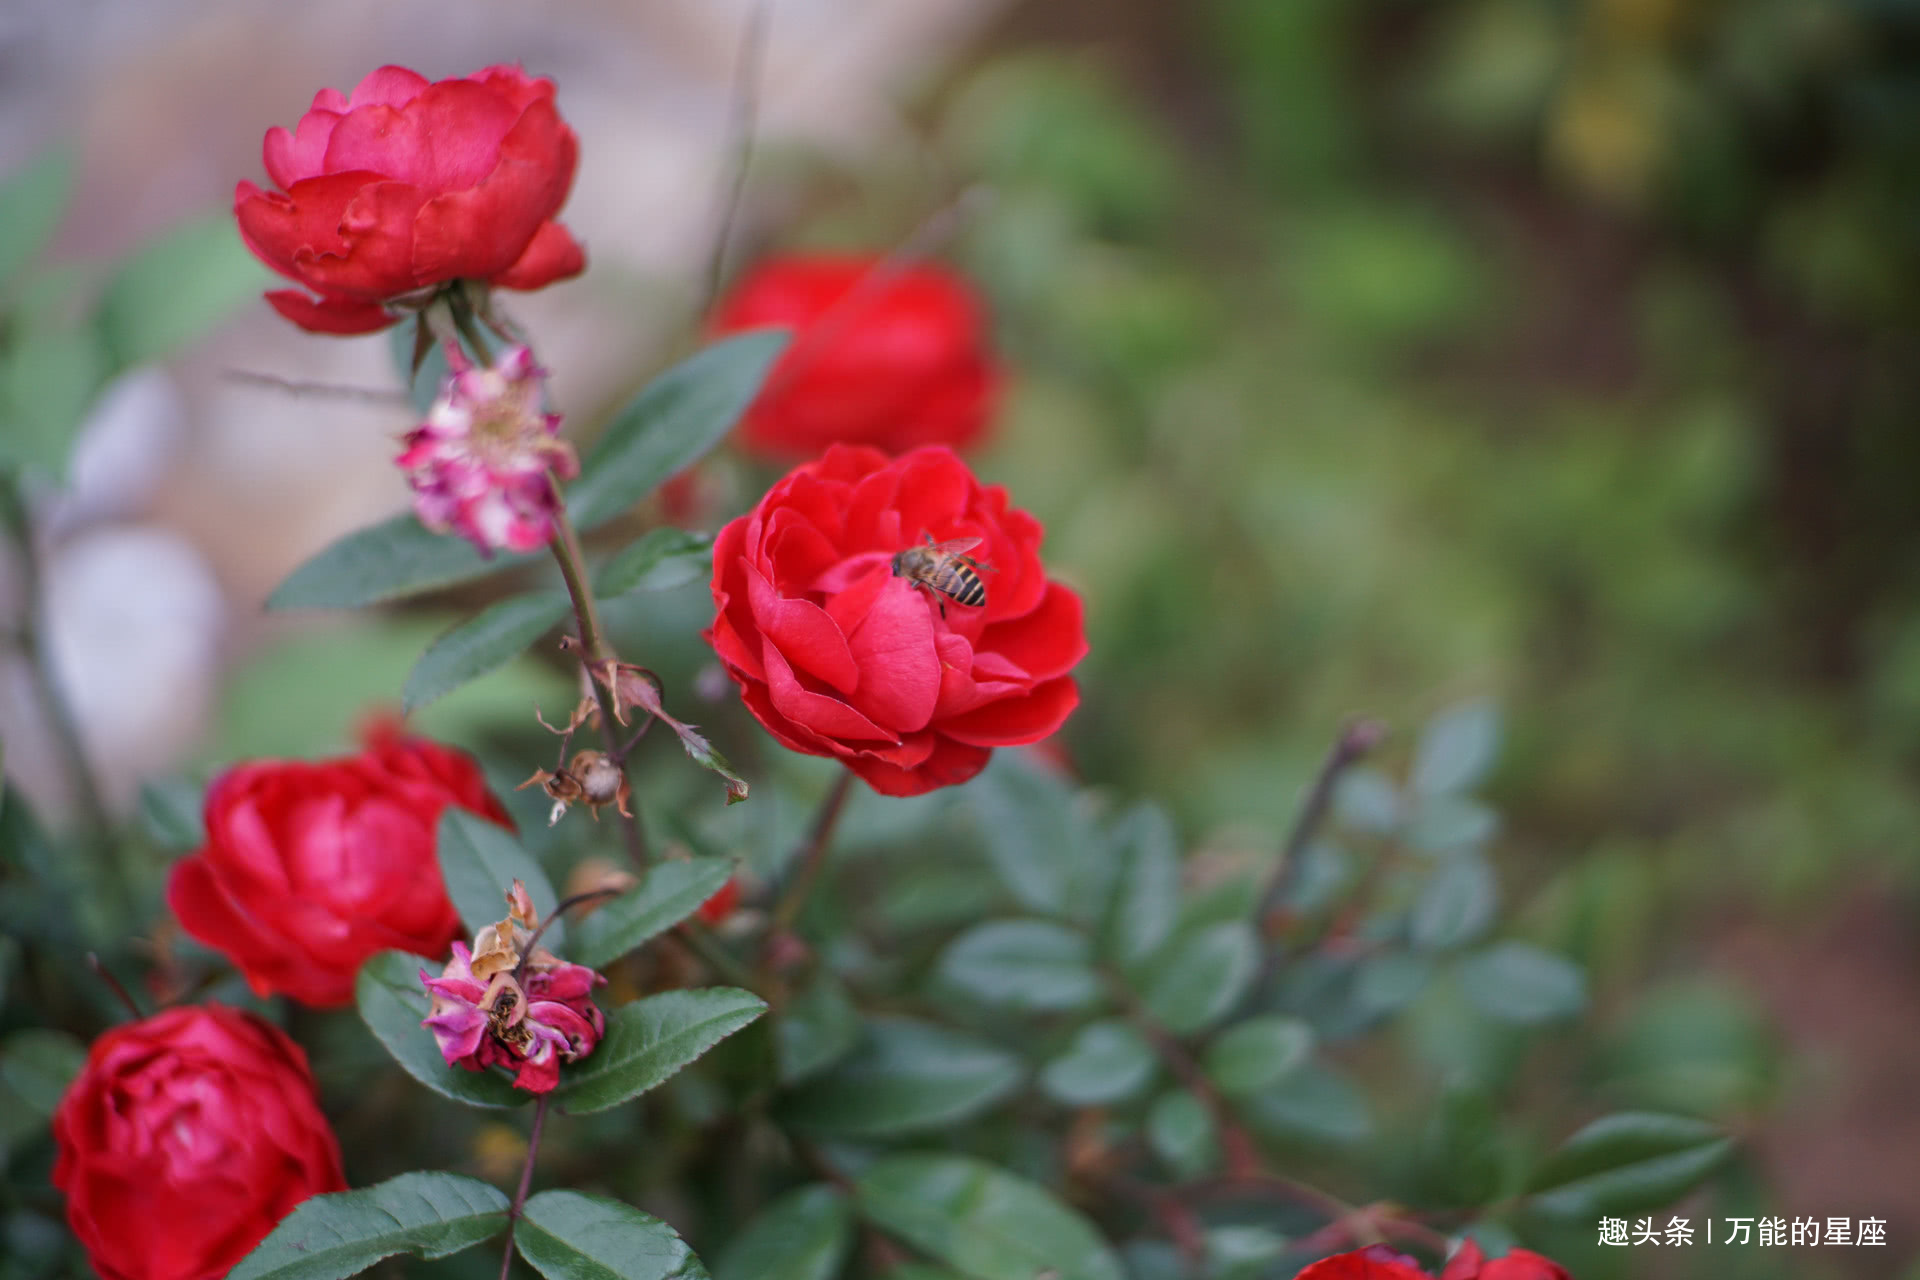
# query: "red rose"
x,y
1375,1262
1516,1264
837,656
309,868
891,357
184,1140
407,185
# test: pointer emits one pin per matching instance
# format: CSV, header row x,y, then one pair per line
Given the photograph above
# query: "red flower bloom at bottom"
x,y
1378,1262
838,654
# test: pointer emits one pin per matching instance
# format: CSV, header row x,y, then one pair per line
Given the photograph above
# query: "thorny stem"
x,y
46,681
526,1182
114,985
326,390
593,652
1356,739
813,855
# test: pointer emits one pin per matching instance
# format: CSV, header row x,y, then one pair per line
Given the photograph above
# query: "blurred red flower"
x,y
894,358
1378,1262
407,185
309,868
837,656
715,910
1469,1263
184,1140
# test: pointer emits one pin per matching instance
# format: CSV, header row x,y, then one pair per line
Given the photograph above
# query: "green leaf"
x,y
48,380
1456,904
664,558
819,1026
1632,1162
803,1235
397,557
489,639
905,1077
672,424
1031,965
1314,1102
982,1221
1519,982
1460,1161
569,1235
31,202
329,1237
1249,1056
1146,891
39,1065
668,894
1200,976
1033,836
1109,1062
1456,748
177,287
170,813
392,1004
479,861
651,1039
1181,1132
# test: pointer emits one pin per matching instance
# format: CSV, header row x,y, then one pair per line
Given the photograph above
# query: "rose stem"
x,y
1246,1170
742,114
46,682
814,855
463,321
594,653
1356,739
105,975
526,1182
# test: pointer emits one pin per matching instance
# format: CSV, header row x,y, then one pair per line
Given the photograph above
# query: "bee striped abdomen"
x,y
959,583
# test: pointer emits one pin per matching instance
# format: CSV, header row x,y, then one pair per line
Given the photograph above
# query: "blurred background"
x,y
1364,356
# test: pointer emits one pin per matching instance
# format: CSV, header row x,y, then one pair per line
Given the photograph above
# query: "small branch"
x,y
1355,741
813,855
526,1181
105,975
520,970
593,652
742,116
324,390
68,739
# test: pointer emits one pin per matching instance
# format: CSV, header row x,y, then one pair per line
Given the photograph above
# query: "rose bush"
x,y
836,656
309,868
894,358
406,185
184,1139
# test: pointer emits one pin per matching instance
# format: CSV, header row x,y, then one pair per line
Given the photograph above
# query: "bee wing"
x,y
956,546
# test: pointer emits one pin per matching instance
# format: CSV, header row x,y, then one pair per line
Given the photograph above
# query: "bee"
x,y
945,571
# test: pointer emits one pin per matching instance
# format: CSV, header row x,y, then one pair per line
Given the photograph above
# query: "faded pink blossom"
x,y
484,1015
479,464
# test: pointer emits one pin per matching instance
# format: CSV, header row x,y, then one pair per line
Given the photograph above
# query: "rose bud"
x,y
1470,1263
185,1138
492,1009
478,465
891,356
838,654
407,186
309,868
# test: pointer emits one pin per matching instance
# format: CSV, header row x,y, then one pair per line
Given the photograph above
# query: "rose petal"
x,y
948,765
482,231
826,716
1016,721
1047,642
899,669
552,254
330,315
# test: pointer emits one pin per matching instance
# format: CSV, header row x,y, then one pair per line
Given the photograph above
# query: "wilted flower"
x,y
497,1005
590,778
478,464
